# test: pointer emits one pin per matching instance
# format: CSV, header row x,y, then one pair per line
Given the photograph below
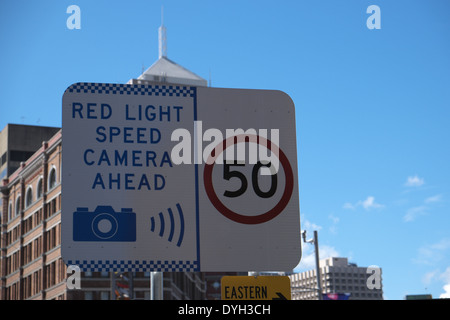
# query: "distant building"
x,y
338,276
18,143
167,71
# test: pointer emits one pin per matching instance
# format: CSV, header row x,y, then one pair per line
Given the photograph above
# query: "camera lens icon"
x,y
104,226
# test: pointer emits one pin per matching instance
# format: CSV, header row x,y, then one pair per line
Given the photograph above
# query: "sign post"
x,y
162,177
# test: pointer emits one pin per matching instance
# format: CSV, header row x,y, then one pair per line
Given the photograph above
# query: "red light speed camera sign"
x,y
162,177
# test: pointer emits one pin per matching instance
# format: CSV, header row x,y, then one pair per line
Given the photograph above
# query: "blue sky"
x,y
372,106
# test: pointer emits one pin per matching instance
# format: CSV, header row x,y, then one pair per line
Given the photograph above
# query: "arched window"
x,y
52,179
10,211
39,190
18,206
29,197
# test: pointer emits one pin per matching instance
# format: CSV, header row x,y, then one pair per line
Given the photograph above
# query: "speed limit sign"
x,y
162,177
250,209
255,180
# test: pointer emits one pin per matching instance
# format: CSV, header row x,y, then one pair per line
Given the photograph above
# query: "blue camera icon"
x,y
104,224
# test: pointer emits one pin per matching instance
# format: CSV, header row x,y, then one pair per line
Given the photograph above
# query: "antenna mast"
x,y
162,37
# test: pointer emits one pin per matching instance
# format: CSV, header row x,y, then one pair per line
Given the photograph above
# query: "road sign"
x,y
256,288
163,177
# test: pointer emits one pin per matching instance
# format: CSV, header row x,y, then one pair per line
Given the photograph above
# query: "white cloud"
x,y
308,261
444,244
335,220
414,212
348,205
310,227
446,294
308,256
433,199
445,276
370,203
367,204
414,181
434,253
429,277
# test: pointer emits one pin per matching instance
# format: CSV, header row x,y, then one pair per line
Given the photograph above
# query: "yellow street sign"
x,y
256,288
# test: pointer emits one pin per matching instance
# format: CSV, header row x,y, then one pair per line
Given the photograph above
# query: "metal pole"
x,y
113,286
316,249
131,285
156,286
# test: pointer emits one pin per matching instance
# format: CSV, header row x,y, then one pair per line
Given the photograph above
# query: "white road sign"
x,y
164,177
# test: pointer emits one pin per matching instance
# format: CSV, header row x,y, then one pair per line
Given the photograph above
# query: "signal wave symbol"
x,y
172,224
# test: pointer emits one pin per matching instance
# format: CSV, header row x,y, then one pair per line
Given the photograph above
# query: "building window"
x,y
10,211
52,179
39,191
104,295
17,209
29,197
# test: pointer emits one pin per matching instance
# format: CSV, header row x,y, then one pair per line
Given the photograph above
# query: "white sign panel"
x,y
167,177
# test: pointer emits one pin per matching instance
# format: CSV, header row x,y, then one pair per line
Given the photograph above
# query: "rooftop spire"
x,y
162,37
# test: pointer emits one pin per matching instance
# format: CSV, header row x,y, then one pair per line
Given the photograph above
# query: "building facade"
x,y
338,276
20,142
31,264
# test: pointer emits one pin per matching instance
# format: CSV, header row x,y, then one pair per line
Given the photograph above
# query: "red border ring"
x,y
234,216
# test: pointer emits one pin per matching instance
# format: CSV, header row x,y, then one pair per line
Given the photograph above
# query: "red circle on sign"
x,y
234,216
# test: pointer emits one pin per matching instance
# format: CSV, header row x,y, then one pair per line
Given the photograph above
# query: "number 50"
x,y
228,174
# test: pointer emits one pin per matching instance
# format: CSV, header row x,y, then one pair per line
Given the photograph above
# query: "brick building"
x,y
31,264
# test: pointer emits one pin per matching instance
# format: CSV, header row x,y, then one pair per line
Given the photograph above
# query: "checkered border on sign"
x,y
127,89
135,265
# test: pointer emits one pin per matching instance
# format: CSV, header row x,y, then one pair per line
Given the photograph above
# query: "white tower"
x,y
162,37
165,70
